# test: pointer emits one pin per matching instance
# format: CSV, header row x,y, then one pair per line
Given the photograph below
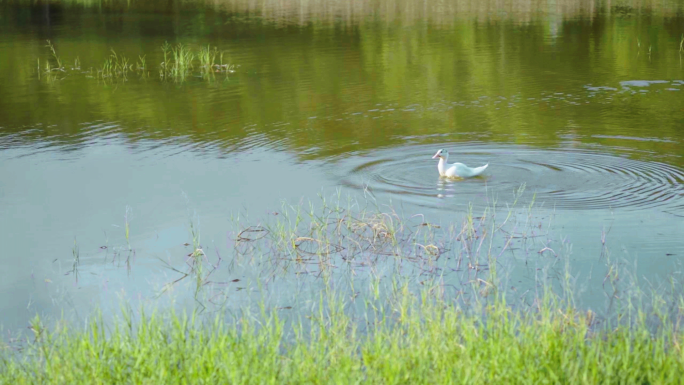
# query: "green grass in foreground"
x,y
421,341
410,330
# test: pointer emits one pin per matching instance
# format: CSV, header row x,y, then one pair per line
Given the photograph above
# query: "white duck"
x,y
456,170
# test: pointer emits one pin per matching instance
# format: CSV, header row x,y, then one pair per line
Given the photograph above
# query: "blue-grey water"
x,y
582,103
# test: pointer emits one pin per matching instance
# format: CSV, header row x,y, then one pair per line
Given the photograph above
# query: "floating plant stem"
x,y
127,227
164,71
142,66
54,54
77,258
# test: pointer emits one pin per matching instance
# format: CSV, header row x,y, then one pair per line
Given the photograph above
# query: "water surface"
x,y
582,102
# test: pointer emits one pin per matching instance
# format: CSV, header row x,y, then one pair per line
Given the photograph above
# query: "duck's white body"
x,y
455,170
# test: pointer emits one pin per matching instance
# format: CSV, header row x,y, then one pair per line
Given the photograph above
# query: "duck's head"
x,y
442,153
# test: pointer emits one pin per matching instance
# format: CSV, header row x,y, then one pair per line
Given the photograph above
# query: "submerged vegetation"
x,y
177,62
409,338
177,66
53,65
115,67
392,299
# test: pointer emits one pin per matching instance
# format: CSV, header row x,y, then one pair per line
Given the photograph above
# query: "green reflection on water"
x,y
515,75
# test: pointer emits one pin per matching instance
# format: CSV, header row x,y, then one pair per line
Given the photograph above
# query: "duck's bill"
x,y
436,155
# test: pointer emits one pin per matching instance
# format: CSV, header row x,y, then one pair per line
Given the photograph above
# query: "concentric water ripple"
x,y
567,179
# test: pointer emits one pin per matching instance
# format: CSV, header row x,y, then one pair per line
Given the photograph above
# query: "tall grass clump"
x,y
115,67
207,59
423,339
141,66
178,62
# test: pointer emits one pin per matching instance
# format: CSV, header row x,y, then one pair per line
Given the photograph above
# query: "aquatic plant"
x,y
207,58
209,67
414,338
417,325
165,65
221,67
354,240
127,228
142,65
50,71
182,64
115,67
177,63
361,239
58,62
75,251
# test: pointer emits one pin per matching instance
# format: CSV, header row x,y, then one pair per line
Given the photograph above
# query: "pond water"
x,y
582,102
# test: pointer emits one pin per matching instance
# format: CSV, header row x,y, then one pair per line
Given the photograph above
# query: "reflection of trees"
x,y
354,12
308,68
